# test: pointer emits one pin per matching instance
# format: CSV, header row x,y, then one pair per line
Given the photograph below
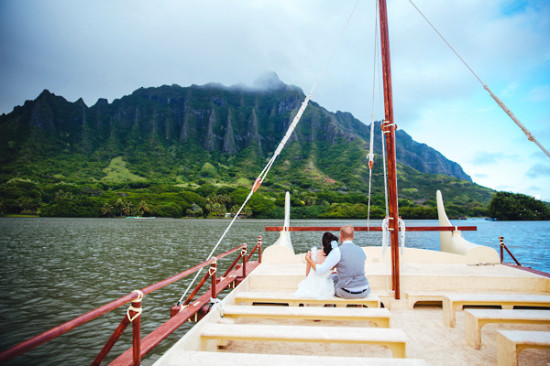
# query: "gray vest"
x,y
351,267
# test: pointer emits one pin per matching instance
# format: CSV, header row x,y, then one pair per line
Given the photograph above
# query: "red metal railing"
x,y
132,316
502,247
517,265
184,314
374,228
141,346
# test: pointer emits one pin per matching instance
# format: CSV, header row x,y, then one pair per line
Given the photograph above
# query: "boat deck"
x,y
429,340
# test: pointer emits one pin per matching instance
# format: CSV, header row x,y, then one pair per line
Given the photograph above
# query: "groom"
x,y
349,259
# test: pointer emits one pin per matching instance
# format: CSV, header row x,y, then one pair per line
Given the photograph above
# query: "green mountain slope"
x,y
211,141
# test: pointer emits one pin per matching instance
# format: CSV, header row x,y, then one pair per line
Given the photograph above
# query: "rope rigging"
x,y
370,156
261,177
501,104
376,90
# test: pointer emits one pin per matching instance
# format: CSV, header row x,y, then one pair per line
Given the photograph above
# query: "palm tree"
x,y
216,209
223,199
142,208
247,211
107,209
119,205
128,208
63,196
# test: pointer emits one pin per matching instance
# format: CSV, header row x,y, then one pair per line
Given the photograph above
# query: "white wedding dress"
x,y
320,287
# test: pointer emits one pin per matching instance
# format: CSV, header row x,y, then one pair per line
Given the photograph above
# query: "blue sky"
x,y
107,49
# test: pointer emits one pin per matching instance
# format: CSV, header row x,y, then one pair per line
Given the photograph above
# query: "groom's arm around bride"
x,y
349,281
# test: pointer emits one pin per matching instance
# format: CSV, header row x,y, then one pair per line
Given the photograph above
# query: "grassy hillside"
x,y
216,189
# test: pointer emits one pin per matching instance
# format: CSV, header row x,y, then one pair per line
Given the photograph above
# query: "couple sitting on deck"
x,y
348,282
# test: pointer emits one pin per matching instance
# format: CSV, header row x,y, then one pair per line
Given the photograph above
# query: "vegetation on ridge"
x,y
194,152
512,206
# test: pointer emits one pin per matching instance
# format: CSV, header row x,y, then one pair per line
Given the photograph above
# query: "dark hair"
x,y
327,240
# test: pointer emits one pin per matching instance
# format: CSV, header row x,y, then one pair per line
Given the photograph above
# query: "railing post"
x,y
134,314
243,254
111,342
259,249
502,245
501,239
212,271
197,289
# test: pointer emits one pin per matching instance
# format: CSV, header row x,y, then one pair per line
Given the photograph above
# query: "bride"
x,y
320,287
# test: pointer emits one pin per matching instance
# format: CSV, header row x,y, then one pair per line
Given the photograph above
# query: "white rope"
x,y
212,271
385,234
370,184
134,309
402,229
370,156
137,311
374,73
140,295
385,175
506,110
282,144
385,244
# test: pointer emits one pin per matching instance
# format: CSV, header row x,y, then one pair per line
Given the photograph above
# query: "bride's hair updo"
x,y
328,239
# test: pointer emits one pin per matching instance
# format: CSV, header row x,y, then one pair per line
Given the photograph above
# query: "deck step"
x,y
395,339
475,319
249,359
250,298
511,342
422,296
453,302
380,317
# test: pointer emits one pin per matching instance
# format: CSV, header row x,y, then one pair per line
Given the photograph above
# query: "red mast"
x,y
388,128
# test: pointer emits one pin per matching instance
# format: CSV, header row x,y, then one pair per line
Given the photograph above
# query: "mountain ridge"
x,y
222,137
212,134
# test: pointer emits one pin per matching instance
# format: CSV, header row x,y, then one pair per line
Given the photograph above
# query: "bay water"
x,y
55,269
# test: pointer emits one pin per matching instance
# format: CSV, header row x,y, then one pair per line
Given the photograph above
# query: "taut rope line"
x,y
263,174
501,104
370,156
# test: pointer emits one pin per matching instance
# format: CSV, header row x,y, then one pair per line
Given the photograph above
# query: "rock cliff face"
x,y
210,118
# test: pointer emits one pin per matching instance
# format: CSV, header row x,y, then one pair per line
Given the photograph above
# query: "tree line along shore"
x,y
22,197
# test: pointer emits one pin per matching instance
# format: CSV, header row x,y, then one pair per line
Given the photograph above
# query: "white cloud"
x,y
487,158
539,93
539,170
78,48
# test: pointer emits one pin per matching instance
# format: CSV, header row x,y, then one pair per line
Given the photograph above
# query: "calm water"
x,y
53,270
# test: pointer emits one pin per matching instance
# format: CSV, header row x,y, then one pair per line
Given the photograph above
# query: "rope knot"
x,y
137,310
140,295
212,270
137,313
